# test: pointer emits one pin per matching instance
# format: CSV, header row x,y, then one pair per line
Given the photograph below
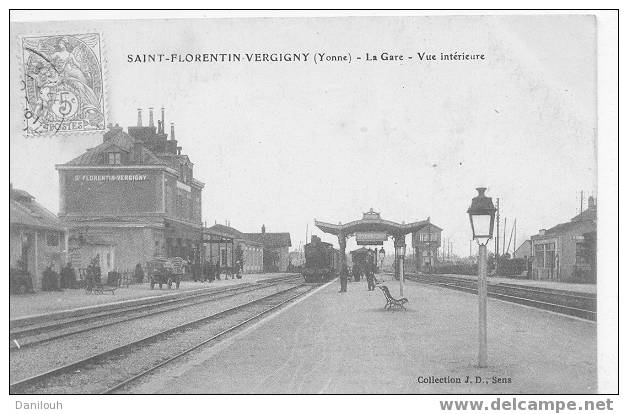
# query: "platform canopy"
x,y
371,224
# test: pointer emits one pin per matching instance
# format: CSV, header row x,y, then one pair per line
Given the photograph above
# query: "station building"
x,y
132,197
567,251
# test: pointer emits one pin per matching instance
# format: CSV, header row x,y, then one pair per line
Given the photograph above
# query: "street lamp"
x,y
400,252
482,217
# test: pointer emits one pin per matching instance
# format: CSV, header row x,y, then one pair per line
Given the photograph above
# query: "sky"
x,y
282,144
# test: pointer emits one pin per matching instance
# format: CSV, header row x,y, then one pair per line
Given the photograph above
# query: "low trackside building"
x,y
276,249
221,244
37,238
567,251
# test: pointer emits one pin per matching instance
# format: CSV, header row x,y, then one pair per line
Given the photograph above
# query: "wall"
x,y
110,192
132,245
182,204
39,254
253,258
567,259
81,257
283,258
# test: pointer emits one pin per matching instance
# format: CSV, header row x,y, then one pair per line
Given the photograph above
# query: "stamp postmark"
x,y
63,84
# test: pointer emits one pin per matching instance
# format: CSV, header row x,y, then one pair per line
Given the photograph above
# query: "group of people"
x,y
205,272
358,270
212,271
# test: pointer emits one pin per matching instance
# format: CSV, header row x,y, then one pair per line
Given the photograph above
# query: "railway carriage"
x,y
322,261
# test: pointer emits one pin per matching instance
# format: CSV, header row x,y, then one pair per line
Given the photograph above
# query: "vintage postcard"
x,y
307,205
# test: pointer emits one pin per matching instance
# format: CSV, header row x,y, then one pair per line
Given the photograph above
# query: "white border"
x,y
608,192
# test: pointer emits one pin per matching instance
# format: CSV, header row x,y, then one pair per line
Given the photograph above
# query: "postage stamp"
x,y
63,84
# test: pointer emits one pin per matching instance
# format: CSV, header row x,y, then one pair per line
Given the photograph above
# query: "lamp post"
x,y
400,252
482,217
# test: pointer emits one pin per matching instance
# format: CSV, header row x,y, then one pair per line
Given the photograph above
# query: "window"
x,y
545,255
582,254
539,254
428,237
52,239
113,158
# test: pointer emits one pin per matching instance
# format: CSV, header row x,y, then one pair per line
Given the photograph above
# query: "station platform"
x,y
567,287
330,342
41,303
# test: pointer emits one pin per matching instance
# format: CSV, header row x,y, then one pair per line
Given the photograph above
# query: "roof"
x,y
371,221
527,244
561,228
115,138
25,211
430,227
361,250
588,214
92,240
224,231
270,240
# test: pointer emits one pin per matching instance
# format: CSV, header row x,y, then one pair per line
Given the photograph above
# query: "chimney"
x,y
172,131
591,203
151,123
263,229
139,117
163,120
179,150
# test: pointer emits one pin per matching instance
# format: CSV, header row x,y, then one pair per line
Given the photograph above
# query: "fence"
x,y
114,278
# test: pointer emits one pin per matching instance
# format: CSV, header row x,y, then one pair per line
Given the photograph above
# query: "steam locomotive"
x,y
322,261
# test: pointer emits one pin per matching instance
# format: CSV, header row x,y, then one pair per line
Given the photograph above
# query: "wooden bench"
x,y
392,303
99,289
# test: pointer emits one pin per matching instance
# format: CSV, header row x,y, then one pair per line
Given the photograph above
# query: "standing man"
x,y
217,269
355,270
344,273
370,273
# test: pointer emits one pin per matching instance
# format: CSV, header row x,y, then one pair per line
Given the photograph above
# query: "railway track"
x,y
115,369
576,304
28,335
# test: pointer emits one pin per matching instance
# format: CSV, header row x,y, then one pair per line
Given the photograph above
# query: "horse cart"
x,y
164,271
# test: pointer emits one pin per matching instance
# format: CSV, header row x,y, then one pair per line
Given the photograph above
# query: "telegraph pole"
x,y
504,240
514,249
497,238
